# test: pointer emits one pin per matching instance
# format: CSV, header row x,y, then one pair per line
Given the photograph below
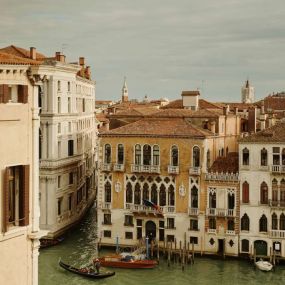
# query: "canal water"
x,y
79,247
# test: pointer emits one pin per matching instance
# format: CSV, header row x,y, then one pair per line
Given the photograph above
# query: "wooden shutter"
x,y
25,197
20,93
5,219
4,93
25,94
245,192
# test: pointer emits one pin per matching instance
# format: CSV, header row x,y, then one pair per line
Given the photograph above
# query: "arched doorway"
x,y
150,230
260,247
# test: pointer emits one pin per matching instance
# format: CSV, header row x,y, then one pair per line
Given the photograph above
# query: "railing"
x,y
143,208
277,203
277,168
222,176
277,234
194,170
212,231
168,209
106,166
145,168
193,211
229,232
118,167
220,212
173,169
106,205
53,163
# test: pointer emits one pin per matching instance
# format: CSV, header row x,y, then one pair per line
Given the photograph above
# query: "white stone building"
x,y
262,184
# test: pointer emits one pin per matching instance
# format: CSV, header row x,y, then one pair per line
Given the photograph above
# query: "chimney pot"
x,y
81,61
33,53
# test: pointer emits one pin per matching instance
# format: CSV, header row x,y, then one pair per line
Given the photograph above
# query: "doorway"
x,y
150,230
221,246
260,247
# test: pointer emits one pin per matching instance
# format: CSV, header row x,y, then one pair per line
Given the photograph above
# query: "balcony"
x,y
220,212
59,162
145,209
277,203
173,169
118,167
277,169
222,177
106,167
230,233
194,171
212,231
277,234
145,168
193,211
106,206
168,209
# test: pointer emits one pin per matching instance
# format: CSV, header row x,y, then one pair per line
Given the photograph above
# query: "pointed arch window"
x,y
208,159
283,156
155,155
171,196
129,193
137,196
263,224
282,222
138,154
145,192
120,154
245,245
244,224
263,157
263,193
274,222
245,192
174,155
108,192
231,225
162,195
274,192
196,156
245,156
282,192
146,154
212,200
154,194
231,201
194,197
107,157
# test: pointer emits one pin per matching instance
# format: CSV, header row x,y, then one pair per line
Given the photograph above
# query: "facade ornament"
x,y
182,191
117,187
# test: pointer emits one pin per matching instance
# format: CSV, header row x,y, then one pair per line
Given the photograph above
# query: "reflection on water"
x,y
79,247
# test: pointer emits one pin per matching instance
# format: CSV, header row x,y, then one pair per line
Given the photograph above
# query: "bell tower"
x,y
125,94
247,93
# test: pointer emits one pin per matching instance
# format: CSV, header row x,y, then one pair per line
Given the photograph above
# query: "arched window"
x,y
231,225
120,154
263,157
245,156
227,150
222,152
107,158
171,196
145,192
146,154
282,222
212,200
231,201
194,197
282,193
245,192
129,193
263,224
263,193
138,154
155,155
196,156
212,223
174,155
245,245
154,194
108,192
274,222
137,196
244,223
274,192
208,159
283,156
162,195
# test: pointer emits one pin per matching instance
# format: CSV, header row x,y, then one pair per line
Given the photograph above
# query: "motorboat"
x,y
264,265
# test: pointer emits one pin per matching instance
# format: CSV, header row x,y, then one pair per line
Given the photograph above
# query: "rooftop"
x,y
228,164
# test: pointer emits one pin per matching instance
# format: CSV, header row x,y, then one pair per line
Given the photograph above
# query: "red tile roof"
x,y
21,52
185,113
6,58
203,104
228,164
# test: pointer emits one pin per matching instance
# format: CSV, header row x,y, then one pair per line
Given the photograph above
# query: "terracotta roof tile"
x,y
228,164
6,58
203,104
21,52
185,113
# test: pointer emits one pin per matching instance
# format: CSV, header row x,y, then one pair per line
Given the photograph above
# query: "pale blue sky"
x,y
162,46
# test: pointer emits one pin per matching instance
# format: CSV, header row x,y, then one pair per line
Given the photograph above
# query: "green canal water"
x,y
79,247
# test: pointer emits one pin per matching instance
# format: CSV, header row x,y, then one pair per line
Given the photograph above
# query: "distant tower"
x,y
125,95
247,93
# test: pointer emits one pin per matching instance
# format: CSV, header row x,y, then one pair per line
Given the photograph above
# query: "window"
x,y
193,240
79,195
282,222
70,147
58,105
263,157
170,238
16,196
69,104
129,220
58,85
170,223
263,224
129,193
128,235
107,158
70,200
83,105
245,192
155,155
245,245
162,195
283,156
274,192
120,157
59,203
282,193
58,181
70,178
161,230
139,229
59,149
14,93
107,219
194,197
68,86
174,156
231,225
145,192
137,154
107,192
69,127
154,194
245,156
212,223
146,154
193,225
231,201
137,196
208,159
212,200
263,193
244,225
276,155
196,156
274,222
171,196
107,234
59,128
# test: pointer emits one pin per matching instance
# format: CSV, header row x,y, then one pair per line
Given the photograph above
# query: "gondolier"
x,y
97,265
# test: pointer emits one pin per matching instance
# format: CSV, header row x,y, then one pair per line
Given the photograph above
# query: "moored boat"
x,y
86,272
264,265
46,242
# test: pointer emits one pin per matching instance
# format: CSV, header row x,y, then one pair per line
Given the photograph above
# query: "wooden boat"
x,y
46,242
263,265
127,261
86,272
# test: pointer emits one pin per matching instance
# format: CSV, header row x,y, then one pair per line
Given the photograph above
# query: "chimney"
x,y
88,72
190,100
236,110
57,56
33,53
252,120
62,58
226,110
262,107
81,61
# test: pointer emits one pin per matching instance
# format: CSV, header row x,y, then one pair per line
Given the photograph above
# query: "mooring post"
x,y
192,252
168,255
147,248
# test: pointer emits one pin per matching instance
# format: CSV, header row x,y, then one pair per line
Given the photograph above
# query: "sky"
x,y
161,46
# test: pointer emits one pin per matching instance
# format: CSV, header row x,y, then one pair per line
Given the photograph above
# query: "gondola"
x,y
89,273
